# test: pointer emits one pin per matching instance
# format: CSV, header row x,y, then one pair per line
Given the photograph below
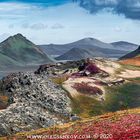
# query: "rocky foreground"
x,y
34,102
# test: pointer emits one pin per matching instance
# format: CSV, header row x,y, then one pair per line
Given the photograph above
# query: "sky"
x,y
64,21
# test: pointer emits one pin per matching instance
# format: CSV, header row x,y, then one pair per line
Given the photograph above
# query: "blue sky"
x,y
63,21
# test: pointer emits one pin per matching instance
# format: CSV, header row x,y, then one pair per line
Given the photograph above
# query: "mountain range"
x,y
86,43
81,53
88,47
18,51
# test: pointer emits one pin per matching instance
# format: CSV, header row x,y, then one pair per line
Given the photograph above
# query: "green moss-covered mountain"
x,y
19,51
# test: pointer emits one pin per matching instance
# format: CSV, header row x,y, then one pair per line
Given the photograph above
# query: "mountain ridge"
x,y
86,43
19,50
83,53
124,45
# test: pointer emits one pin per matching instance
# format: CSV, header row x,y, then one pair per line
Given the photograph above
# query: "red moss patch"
x,y
87,89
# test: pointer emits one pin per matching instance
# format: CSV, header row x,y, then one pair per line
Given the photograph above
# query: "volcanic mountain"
x,y
132,58
86,43
82,53
125,46
75,54
19,51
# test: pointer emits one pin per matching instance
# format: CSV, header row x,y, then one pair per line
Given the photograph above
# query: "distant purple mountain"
x,y
92,47
55,49
125,46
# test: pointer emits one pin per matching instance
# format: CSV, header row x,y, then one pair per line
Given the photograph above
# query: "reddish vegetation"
x,y
127,128
133,61
123,128
87,89
122,125
93,69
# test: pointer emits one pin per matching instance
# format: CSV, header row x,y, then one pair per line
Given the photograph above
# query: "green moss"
x,y
86,106
117,98
122,97
134,80
130,67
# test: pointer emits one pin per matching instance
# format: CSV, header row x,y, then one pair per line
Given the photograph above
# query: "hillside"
x,y
133,54
75,54
6,61
54,49
132,58
125,46
108,126
86,43
60,93
19,51
131,61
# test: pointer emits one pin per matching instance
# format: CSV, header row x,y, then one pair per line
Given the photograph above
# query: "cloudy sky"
x,y
63,21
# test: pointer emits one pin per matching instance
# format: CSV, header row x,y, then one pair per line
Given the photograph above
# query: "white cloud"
x,y
71,21
57,26
129,8
35,26
25,25
38,26
117,29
